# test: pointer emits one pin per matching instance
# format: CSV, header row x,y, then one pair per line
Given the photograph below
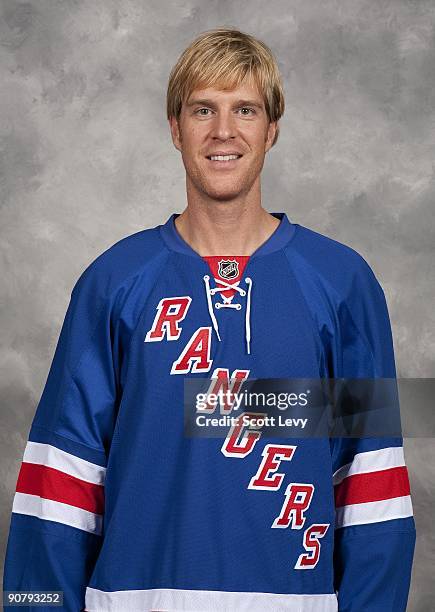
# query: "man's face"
x,y
214,121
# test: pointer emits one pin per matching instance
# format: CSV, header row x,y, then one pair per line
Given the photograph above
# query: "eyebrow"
x,y
236,103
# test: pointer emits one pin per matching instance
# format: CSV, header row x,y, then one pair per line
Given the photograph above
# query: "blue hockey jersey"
x,y
120,510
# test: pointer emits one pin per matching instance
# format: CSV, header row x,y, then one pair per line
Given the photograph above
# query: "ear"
x,y
175,132
271,131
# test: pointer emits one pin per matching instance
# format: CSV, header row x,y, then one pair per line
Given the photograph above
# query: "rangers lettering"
x,y
220,381
312,545
238,444
196,355
272,455
170,311
297,501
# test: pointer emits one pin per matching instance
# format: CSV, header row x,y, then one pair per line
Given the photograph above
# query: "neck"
x,y
223,229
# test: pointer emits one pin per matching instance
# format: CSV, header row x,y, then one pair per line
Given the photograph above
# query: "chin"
x,y
224,194
218,190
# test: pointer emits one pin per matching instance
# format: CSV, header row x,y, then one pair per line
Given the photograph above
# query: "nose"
x,y
224,125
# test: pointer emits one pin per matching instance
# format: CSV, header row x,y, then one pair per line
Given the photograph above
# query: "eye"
x,y
248,108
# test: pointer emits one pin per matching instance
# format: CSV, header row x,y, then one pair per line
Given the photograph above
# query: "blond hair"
x,y
223,58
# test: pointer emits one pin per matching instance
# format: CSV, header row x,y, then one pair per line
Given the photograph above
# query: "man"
x,y
115,505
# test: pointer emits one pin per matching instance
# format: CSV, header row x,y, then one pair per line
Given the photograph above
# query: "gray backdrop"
x,y
86,158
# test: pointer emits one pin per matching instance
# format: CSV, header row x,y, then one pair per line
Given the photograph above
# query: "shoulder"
x,y
123,263
339,265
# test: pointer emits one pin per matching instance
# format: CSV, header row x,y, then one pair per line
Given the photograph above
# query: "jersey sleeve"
x,y
57,514
375,529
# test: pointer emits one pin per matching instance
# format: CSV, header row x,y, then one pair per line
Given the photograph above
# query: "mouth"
x,y
224,161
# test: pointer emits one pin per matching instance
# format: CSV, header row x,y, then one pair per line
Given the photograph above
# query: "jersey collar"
x,y
280,237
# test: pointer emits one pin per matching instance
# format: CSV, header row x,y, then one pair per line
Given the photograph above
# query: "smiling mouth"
x,y
226,161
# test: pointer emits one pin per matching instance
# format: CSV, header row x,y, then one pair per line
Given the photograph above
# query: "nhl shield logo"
x,y
228,269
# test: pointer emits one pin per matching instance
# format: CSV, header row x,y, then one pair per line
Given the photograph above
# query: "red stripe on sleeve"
x,y
49,483
373,486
